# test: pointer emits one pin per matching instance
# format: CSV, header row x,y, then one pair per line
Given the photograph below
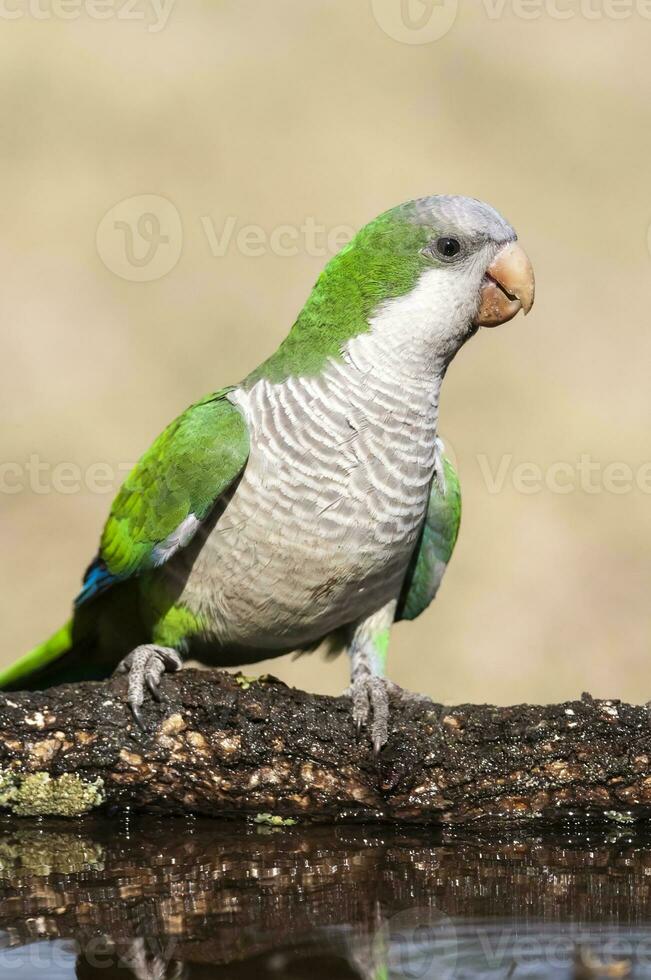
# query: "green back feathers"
x,y
184,472
202,452
435,549
382,262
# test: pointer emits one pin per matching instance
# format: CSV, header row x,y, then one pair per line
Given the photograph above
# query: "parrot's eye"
x,y
448,247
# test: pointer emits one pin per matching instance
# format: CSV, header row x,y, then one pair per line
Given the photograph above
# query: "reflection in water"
x,y
160,899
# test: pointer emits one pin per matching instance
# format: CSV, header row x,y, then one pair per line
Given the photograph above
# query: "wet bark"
x,y
219,745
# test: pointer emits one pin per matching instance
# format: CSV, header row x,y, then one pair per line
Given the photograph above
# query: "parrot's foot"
x,y
370,695
145,666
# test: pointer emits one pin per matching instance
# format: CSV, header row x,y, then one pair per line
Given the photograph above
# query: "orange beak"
x,y
508,287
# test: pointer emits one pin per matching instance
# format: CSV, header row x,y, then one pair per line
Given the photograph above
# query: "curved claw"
x,y
137,715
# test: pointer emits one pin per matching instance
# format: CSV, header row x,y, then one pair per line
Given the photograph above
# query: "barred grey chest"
x,y
322,525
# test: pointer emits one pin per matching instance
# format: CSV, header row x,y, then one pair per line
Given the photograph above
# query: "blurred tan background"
x,y
272,114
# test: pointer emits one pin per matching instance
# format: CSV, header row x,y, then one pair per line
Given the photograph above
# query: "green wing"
x,y
435,547
170,491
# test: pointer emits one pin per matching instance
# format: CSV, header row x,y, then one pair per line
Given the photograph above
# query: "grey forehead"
x,y
468,216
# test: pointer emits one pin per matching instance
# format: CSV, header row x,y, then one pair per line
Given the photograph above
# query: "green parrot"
x,y
312,500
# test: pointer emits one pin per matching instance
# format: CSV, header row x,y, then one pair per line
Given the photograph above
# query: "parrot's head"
x,y
428,274
473,253
413,285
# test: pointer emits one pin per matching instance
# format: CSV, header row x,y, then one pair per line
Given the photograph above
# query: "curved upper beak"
x,y
508,287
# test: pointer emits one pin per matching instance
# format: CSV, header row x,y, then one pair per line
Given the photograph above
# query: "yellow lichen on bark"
x,y
37,794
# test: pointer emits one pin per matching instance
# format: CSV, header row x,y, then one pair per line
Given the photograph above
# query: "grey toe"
x,y
371,708
145,666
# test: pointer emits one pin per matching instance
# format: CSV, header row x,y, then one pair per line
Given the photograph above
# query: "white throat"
x,y
414,337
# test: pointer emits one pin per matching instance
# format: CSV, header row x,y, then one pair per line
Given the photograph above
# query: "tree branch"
x,y
219,745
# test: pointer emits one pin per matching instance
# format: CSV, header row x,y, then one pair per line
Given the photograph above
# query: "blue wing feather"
x,y
96,580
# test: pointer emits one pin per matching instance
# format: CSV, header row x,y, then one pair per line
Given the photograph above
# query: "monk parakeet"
x,y
311,500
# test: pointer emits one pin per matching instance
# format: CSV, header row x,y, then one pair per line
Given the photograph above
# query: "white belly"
x,y
320,529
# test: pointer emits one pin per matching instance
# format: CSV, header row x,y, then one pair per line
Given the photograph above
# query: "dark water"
x,y
153,899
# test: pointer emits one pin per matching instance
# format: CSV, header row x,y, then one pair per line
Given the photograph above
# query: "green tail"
x,y
71,654
68,655
88,648
24,672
